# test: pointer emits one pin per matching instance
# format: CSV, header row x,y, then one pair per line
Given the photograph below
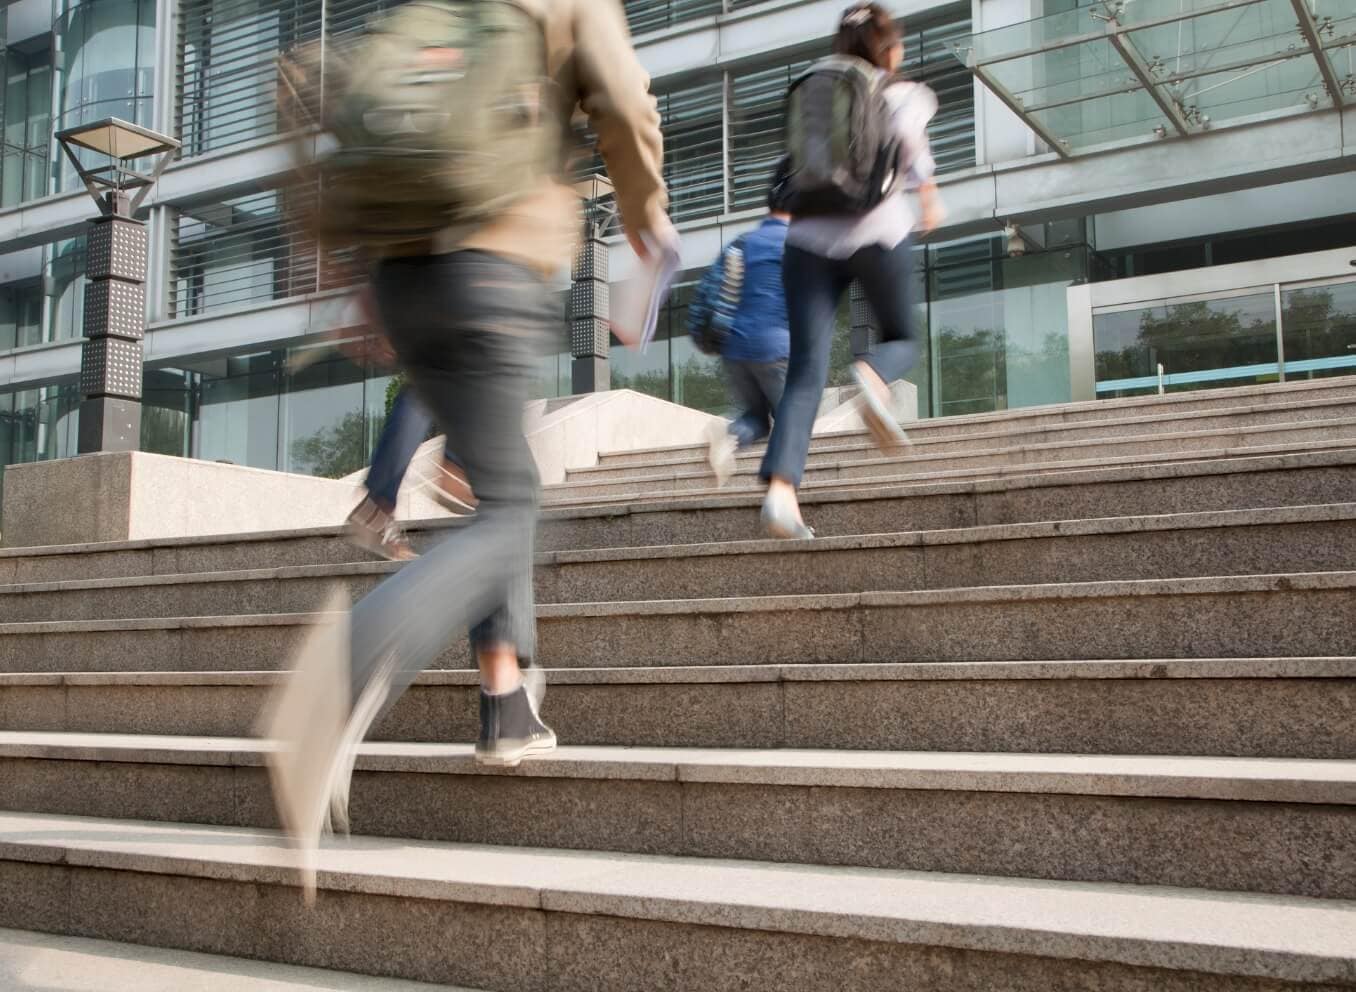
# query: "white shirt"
x,y
890,221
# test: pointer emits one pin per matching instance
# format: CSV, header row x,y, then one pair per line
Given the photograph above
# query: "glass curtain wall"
x,y
27,126
108,48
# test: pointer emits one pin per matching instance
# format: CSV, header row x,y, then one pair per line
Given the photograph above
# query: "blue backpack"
x,y
712,312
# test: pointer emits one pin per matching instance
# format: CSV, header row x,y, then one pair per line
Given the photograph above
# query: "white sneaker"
x,y
875,413
721,448
305,720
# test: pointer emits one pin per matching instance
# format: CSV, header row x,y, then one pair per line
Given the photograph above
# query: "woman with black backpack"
x,y
856,137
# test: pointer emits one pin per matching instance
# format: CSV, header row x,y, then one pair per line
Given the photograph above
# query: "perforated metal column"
x,y
114,326
589,312
865,332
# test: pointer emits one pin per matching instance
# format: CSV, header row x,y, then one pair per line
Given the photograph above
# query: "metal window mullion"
x,y
1280,336
727,176
1135,62
1310,31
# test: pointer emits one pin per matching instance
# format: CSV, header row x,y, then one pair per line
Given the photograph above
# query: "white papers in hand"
x,y
635,308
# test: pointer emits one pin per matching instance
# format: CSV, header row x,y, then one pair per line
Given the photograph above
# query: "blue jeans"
x,y
406,429
814,287
757,389
469,327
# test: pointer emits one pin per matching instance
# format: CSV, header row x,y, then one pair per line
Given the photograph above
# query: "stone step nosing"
x,y
1277,393
1127,526
977,475
883,488
1205,585
914,456
1148,670
1284,780
695,453
1307,940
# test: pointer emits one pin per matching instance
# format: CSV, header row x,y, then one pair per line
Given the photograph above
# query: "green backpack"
x,y
441,114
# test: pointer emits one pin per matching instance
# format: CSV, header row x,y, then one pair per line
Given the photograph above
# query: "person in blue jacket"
x,y
741,296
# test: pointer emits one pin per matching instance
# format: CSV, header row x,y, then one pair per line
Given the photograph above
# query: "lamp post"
x,y
590,334
115,291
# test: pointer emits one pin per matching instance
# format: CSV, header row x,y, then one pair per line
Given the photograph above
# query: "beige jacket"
x,y
589,55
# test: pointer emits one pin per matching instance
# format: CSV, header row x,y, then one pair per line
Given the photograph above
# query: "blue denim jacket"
x,y
758,328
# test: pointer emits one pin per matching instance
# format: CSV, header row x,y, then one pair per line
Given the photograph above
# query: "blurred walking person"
x,y
469,239
740,314
852,221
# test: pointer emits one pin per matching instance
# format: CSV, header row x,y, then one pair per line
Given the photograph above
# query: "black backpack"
x,y
840,138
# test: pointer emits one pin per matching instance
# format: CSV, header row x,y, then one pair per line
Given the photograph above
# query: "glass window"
x,y
20,314
692,119
1201,344
651,15
1319,330
109,48
167,411
238,416
27,126
239,252
324,429
66,267
999,327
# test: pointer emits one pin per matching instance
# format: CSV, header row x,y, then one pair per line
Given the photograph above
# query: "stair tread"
x,y
1166,669
39,962
1294,938
1097,526
1250,779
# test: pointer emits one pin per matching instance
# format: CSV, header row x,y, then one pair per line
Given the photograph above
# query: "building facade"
x,y
1141,195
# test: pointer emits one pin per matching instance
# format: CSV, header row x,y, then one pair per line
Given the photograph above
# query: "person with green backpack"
x,y
448,123
856,137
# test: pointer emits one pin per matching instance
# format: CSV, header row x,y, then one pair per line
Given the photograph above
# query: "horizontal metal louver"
x,y
757,123
247,251
651,15
227,58
692,119
928,59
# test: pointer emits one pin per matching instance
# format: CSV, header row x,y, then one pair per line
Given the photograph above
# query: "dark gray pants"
x,y
814,287
467,327
757,389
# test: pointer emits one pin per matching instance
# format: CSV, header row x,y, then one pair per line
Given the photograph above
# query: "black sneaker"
x,y
510,729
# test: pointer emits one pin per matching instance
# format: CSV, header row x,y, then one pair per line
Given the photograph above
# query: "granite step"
x,y
530,920
1243,707
1226,484
858,446
573,495
42,962
1272,825
1314,538
1202,403
592,483
1281,615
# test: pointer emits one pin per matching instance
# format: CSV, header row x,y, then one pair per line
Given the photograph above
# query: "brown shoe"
x,y
373,529
447,484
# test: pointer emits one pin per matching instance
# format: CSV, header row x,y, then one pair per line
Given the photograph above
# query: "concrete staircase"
x,y
1064,699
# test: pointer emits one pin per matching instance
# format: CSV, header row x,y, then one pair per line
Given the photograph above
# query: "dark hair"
x,y
779,189
867,31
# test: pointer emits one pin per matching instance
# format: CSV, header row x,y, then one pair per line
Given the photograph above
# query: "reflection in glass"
x,y
20,314
1319,331
999,327
238,418
167,411
109,50
324,429
27,126
1201,345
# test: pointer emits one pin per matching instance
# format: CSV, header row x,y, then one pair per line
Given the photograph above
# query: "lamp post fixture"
x,y
590,334
115,291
